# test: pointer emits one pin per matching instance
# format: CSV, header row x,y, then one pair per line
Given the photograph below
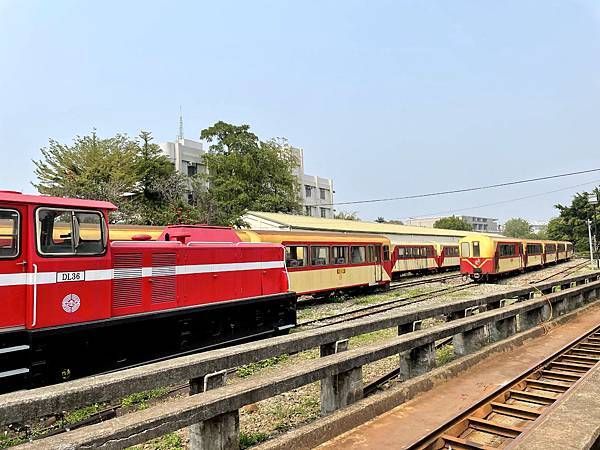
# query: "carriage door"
x,y
13,266
376,252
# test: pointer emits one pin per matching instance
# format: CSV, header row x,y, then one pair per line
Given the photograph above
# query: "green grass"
x,y
250,439
81,414
375,336
140,399
171,441
444,355
10,441
252,368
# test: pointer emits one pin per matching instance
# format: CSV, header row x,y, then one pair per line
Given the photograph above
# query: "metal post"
x,y
589,223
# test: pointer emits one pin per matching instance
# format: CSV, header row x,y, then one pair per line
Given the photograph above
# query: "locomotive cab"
x,y
45,244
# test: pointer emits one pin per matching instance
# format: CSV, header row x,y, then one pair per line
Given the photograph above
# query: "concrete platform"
x,y
408,422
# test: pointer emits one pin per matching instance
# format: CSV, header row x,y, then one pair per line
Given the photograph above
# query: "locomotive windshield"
x,y
9,233
70,232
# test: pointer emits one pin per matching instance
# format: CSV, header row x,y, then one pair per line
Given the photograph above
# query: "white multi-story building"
x,y
537,226
187,155
316,193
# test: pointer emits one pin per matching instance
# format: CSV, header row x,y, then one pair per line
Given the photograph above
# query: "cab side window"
x,y
9,233
63,232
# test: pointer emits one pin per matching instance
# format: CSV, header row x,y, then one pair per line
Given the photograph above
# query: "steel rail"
x,y
382,307
511,410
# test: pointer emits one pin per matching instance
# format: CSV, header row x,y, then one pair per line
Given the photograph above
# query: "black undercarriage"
x,y
33,358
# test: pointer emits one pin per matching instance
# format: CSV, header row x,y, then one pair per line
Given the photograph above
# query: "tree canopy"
x,y
452,223
517,228
346,215
571,224
131,173
382,220
246,174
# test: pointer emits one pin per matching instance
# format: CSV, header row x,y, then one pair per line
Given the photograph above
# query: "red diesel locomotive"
x,y
73,303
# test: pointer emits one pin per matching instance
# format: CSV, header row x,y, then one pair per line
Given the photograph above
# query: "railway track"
x,y
510,411
382,307
566,272
420,281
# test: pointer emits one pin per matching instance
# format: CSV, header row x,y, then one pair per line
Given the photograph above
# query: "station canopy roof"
x,y
267,220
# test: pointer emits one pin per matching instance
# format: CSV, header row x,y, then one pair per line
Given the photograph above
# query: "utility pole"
x,y
589,224
592,200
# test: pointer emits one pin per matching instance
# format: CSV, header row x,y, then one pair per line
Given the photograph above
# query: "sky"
x,y
388,98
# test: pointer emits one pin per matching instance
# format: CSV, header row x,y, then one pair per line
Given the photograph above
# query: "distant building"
x,y
186,155
482,224
537,226
316,192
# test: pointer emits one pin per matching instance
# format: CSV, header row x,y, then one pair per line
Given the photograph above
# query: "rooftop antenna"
x,y
180,135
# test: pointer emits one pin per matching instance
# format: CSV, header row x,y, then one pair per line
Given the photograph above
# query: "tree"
x,y
452,223
344,215
517,228
571,224
246,174
382,220
131,173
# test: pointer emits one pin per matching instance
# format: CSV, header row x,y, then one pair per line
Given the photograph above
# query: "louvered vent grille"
x,y
164,285
127,285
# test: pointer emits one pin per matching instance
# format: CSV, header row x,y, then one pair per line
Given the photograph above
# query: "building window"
x,y
192,169
307,190
323,193
324,212
307,210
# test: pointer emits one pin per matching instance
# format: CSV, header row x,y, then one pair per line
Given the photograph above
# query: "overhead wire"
x,y
433,215
457,191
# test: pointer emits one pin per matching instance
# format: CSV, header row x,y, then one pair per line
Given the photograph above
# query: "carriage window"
x,y
451,251
358,255
9,233
507,250
429,252
465,250
386,252
339,255
550,248
401,252
319,256
296,256
534,249
475,249
69,232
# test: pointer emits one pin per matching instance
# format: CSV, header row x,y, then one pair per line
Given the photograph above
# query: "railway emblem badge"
x,y
71,303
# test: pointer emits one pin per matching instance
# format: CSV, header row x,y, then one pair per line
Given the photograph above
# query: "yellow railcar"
x,y
483,257
319,263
